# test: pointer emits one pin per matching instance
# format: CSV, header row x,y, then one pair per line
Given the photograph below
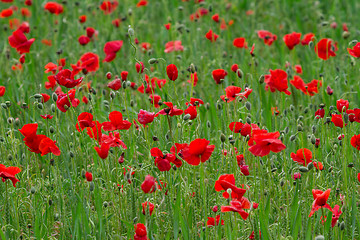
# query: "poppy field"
x,y
183,119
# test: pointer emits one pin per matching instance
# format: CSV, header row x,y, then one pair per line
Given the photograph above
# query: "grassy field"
x,y
170,119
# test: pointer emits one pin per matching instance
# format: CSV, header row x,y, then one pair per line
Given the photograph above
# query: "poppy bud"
x,y
91,186
52,130
8,103
335,146
40,106
71,154
207,106
262,79
155,139
9,157
342,225
222,137
292,138
153,61
232,141
208,124
10,120
83,172
17,122
303,169
218,105
248,106
319,237
351,165
239,73
33,190
112,94
299,128
50,202
353,42
121,158
313,139
282,183
311,45
52,161
192,68
130,30
123,85
186,117
346,34
310,166
286,130
346,117
37,96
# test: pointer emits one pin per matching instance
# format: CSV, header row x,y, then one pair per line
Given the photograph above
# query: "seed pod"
x,y
192,68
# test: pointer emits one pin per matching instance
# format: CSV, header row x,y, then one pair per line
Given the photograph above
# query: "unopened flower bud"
x,y
248,106
346,34
186,117
310,166
222,137
303,169
92,186
153,61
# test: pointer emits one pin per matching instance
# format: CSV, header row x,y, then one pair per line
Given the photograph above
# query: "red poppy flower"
x,y
65,78
320,113
83,40
240,42
88,176
19,41
25,12
140,232
111,48
354,114
219,74
303,156
85,120
337,120
197,151
9,173
341,104
292,39
307,38
172,72
139,68
90,32
195,102
191,110
113,140
63,103
325,48
115,84
82,18
231,93
265,142
358,177
145,117
355,141
313,87
103,150
267,36
6,13
108,6
54,8
215,18
355,51
46,116
154,100
299,83
145,207
211,36
173,46
214,221
277,80
298,69
89,61
320,199
336,215
167,26
116,122
163,161
227,181
2,90
148,186
142,3
238,206
244,169
170,110
38,143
